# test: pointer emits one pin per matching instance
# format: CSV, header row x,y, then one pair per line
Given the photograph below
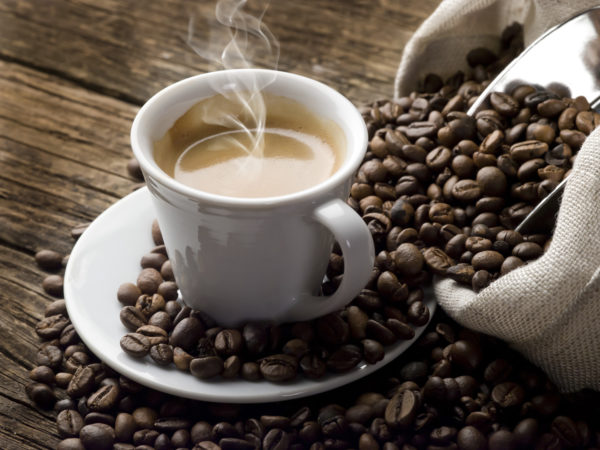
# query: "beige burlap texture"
x,y
457,26
549,310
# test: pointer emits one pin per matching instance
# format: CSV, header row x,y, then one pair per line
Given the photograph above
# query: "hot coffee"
x,y
221,146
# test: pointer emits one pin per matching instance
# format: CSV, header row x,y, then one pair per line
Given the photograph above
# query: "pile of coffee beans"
x,y
167,332
447,188
454,389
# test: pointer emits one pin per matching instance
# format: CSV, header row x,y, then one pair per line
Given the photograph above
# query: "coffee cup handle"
x,y
358,251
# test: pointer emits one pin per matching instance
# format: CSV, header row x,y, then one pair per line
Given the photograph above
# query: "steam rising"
x,y
235,40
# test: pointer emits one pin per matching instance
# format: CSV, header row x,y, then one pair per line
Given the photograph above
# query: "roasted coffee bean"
x,y
104,399
527,250
42,374
470,438
508,394
69,423
41,394
278,367
53,285
344,358
148,281
526,150
380,332
49,259
441,213
149,304
206,367
401,411
481,279
489,260
504,104
49,355
57,307
436,260
418,313
135,344
162,320
132,318
492,181
462,272
168,289
186,333
466,190
82,382
312,366
256,337
526,432
332,329
97,436
162,354
373,351
228,342
466,354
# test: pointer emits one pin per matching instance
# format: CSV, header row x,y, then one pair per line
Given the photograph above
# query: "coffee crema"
x,y
216,147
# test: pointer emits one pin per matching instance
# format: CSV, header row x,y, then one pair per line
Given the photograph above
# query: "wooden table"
x,y
73,74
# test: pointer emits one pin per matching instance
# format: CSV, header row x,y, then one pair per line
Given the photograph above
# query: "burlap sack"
x,y
549,310
457,26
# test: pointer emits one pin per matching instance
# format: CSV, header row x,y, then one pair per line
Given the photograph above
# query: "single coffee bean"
x,y
470,438
418,313
53,285
527,250
228,342
402,408
504,104
70,444
526,432
105,398
466,354
42,374
313,366
149,304
97,436
162,354
481,279
278,367
69,423
186,333
82,382
132,318
467,191
437,260
206,367
148,281
49,355
332,329
489,260
344,358
508,394
41,394
492,181
135,344
48,259
55,308
153,260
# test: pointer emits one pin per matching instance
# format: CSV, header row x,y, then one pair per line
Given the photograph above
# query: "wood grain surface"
x,y
73,73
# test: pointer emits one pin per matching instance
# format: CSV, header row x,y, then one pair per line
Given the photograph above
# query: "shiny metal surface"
x,y
564,60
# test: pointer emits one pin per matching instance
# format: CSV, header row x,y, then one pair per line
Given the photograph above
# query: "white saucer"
x,y
107,255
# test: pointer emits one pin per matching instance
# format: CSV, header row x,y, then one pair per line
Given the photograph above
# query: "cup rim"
x,y
354,156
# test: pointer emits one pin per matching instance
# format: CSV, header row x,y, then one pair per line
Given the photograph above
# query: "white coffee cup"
x,y
248,259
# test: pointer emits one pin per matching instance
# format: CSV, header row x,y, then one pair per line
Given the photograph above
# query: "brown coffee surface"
x,y
217,147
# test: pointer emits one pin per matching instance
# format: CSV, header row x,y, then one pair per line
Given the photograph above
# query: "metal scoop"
x,y
564,60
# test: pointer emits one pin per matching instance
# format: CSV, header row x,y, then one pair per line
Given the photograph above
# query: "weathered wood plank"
x,y
132,49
